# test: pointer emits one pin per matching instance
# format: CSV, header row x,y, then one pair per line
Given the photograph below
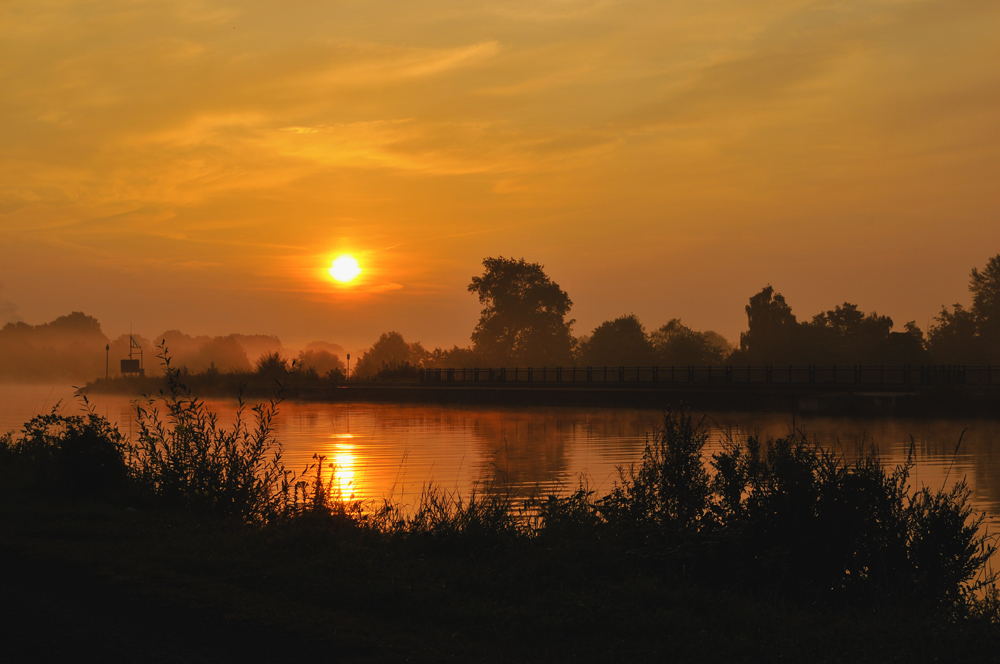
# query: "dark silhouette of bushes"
x,y
77,456
184,459
781,516
786,514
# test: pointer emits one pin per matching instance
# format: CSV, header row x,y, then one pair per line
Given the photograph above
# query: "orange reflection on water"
x,y
342,457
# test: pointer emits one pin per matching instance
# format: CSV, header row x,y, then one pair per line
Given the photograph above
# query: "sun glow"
x,y
345,269
343,472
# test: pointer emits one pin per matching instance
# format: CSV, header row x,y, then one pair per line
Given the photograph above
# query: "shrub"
x,y
667,496
77,455
188,460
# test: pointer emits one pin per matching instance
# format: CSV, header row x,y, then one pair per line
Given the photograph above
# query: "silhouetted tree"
x,y
390,350
322,362
524,317
225,353
773,332
69,347
676,344
905,347
985,289
617,342
454,358
257,345
971,336
271,365
845,335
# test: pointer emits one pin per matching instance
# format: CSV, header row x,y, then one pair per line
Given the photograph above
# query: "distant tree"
x,y
719,341
390,349
333,349
74,326
971,336
907,347
271,365
676,344
70,347
772,334
617,342
953,339
258,345
225,353
985,289
845,335
524,316
182,349
454,358
323,363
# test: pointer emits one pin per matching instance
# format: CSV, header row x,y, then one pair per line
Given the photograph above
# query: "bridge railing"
x,y
902,375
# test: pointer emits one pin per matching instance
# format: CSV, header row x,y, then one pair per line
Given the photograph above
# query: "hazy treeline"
x,y
72,348
524,323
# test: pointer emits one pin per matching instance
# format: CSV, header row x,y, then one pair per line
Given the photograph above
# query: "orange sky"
x,y
196,164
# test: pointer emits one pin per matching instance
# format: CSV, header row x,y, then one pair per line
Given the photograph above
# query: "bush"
x,y
667,496
787,514
77,455
188,461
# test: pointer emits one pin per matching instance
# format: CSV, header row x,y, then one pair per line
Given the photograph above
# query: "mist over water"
x,y
393,450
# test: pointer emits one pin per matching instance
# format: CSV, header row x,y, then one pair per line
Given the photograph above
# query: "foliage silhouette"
x,y
390,349
622,341
676,344
523,321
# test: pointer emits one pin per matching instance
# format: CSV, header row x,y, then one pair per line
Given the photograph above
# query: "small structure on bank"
x,y
133,366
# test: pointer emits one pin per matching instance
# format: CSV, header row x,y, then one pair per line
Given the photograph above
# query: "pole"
x,y
107,360
348,366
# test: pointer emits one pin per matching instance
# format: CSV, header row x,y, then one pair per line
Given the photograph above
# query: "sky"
x,y
199,164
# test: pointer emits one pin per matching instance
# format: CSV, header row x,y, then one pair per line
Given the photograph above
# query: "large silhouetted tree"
x,y
524,316
772,334
621,341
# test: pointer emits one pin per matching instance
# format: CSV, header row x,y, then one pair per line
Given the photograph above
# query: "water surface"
x,y
393,451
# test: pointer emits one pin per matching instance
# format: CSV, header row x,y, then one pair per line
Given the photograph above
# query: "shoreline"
x,y
806,399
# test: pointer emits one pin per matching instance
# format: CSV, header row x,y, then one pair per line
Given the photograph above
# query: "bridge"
x,y
918,390
871,377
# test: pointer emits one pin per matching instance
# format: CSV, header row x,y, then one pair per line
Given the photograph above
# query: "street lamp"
x,y
107,359
348,366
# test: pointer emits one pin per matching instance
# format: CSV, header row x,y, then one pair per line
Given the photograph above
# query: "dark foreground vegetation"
x,y
193,542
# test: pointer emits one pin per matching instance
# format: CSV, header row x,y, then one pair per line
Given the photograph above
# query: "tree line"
x,y
74,347
524,322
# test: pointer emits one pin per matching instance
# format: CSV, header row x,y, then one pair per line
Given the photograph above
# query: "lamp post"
x,y
348,366
107,360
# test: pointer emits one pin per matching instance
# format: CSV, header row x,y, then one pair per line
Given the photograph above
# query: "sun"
x,y
345,268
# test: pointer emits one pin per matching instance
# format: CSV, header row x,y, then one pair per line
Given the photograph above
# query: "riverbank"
x,y
848,400
92,582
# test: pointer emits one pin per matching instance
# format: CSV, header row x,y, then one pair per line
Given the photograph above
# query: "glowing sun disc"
x,y
345,269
